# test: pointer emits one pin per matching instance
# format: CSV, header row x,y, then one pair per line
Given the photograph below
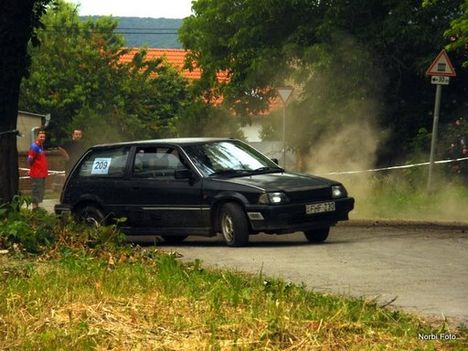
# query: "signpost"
x,y
440,70
440,80
284,93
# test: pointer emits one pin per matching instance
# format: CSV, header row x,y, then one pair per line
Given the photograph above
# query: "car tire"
x,y
233,224
170,239
90,215
317,235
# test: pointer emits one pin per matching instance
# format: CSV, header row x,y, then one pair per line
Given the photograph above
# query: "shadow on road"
x,y
215,242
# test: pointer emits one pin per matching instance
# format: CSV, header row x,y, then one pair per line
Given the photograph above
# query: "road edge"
x,y
403,223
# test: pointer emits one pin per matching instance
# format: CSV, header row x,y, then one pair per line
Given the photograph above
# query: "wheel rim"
x,y
91,219
228,227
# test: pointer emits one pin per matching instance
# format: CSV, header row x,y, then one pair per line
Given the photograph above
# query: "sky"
x,y
135,8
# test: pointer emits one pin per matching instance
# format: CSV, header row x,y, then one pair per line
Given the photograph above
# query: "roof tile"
x,y
176,57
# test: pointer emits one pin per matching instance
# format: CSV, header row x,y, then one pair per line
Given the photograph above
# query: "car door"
x,y
155,197
98,178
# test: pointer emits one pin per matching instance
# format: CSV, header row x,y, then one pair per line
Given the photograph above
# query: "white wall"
x,y
24,124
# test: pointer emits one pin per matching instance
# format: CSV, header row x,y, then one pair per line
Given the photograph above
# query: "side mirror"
x,y
275,160
183,174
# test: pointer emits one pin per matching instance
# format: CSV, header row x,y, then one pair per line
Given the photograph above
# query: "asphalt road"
x,y
422,266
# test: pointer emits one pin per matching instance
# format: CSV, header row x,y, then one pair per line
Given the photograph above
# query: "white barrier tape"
x,y
28,177
59,173
50,172
399,167
330,173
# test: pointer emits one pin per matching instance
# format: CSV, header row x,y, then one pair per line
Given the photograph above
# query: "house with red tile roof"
x,y
176,57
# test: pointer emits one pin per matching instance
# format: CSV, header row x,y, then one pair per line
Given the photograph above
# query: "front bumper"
x,y
289,218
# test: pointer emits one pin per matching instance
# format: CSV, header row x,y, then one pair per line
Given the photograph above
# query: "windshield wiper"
x,y
230,172
267,169
241,172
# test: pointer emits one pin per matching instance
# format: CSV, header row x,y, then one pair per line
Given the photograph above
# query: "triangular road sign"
x,y
284,93
441,66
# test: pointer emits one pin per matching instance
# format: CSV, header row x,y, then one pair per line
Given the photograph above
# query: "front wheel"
x,y
234,225
317,235
90,215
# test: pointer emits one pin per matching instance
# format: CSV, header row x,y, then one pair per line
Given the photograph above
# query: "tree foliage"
x,y
203,119
352,62
457,33
77,76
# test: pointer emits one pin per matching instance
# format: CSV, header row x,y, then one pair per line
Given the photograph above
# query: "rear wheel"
x,y
234,225
174,239
317,235
90,215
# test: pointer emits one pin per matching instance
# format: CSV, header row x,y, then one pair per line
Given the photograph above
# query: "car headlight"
x,y
273,198
338,191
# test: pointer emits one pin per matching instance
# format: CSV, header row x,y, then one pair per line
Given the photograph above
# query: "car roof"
x,y
179,141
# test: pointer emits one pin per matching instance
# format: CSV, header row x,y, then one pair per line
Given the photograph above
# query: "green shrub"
x,y
34,231
24,228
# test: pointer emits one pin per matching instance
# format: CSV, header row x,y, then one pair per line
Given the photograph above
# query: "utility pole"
x,y
284,93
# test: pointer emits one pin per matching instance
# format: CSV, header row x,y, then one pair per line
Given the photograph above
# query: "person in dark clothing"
x,y
73,149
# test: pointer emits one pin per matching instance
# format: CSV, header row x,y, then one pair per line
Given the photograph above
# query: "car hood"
x,y
282,181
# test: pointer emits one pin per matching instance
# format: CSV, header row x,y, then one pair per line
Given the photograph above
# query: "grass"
x,y
135,299
68,287
403,196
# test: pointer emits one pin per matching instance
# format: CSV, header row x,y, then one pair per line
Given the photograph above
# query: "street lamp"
x,y
284,93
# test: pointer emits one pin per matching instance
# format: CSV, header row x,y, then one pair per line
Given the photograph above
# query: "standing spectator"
x,y
38,169
73,149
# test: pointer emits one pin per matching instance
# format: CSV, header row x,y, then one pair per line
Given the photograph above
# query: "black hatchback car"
x,y
200,186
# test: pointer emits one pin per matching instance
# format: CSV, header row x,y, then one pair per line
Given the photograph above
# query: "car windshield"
x,y
229,158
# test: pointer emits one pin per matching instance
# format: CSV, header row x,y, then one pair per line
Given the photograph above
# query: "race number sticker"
x,y
101,165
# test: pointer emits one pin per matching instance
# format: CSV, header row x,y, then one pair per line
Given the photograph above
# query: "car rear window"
x,y
156,162
105,163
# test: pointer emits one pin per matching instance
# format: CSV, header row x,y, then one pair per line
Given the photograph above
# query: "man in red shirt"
x,y
38,169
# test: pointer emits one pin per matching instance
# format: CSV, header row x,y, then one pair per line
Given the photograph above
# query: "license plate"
x,y
320,207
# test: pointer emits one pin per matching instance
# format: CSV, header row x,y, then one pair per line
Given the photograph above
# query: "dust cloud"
x,y
348,137
392,194
351,148
399,194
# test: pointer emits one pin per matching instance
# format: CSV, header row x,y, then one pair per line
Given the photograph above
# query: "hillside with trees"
x,y
146,32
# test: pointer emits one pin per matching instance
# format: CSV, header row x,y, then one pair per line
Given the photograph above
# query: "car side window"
x,y
156,162
105,163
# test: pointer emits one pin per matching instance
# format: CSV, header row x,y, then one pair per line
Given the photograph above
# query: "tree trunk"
x,y
15,32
